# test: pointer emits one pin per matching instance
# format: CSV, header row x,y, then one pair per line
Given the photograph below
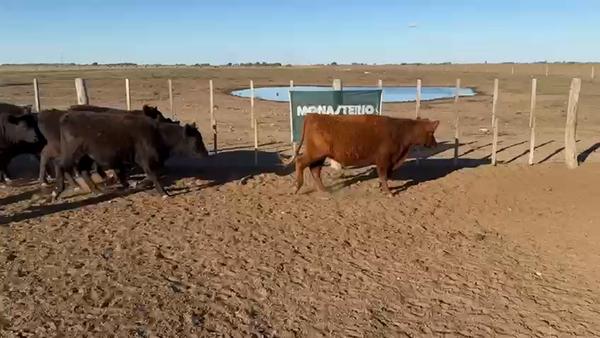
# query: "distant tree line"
x,y
257,64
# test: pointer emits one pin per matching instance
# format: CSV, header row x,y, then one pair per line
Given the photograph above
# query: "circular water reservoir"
x,y
390,94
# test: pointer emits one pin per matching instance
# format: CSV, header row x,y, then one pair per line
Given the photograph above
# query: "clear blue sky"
x,y
299,32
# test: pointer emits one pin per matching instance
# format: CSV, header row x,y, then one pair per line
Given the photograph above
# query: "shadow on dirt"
x,y
223,168
505,148
18,197
586,153
428,170
527,152
48,209
556,152
217,170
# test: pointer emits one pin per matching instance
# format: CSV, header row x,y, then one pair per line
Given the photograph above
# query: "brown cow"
x,y
360,140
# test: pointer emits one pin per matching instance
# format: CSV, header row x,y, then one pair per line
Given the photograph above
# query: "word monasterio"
x,y
341,110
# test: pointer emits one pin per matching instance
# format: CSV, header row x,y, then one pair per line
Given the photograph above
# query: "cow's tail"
x,y
287,163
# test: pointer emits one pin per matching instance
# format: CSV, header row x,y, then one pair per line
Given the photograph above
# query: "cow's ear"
x,y
187,130
434,124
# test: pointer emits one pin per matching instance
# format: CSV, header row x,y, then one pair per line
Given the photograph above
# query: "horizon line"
x,y
279,64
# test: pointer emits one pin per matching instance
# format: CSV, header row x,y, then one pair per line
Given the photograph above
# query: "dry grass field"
x,y
470,250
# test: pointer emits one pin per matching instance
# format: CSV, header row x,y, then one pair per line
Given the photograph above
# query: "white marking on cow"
x,y
335,164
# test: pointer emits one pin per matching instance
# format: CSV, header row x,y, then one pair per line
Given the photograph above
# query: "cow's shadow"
x,y
35,211
411,172
222,168
215,170
232,166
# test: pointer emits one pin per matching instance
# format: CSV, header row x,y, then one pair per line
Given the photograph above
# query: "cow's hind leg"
x,y
384,167
150,171
3,177
315,169
122,175
301,163
5,158
59,168
64,165
44,158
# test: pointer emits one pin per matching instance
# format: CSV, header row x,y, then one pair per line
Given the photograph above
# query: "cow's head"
x,y
193,141
153,113
427,131
22,128
28,109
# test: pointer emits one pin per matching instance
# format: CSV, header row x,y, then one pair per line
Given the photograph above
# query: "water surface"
x,y
390,94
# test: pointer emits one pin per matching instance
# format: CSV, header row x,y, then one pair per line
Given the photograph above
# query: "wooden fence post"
x,y
494,101
593,72
127,94
418,107
546,69
252,124
495,143
294,144
337,84
82,95
532,120
213,121
170,82
380,86
512,70
456,133
571,126
36,93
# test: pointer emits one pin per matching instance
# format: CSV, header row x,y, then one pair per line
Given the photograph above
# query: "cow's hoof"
x,y
44,184
164,197
77,189
133,185
54,197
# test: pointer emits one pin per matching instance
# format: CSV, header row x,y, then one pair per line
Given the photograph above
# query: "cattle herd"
x,y
84,138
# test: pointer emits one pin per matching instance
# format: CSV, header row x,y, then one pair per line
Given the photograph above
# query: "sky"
x,y
298,32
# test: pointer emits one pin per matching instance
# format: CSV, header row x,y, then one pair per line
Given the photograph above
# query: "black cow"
x,y
151,112
19,134
7,108
49,125
117,140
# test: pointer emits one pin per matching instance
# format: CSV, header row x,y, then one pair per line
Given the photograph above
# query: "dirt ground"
x,y
468,250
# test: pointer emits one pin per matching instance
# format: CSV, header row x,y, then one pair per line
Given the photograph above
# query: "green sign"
x,y
331,102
